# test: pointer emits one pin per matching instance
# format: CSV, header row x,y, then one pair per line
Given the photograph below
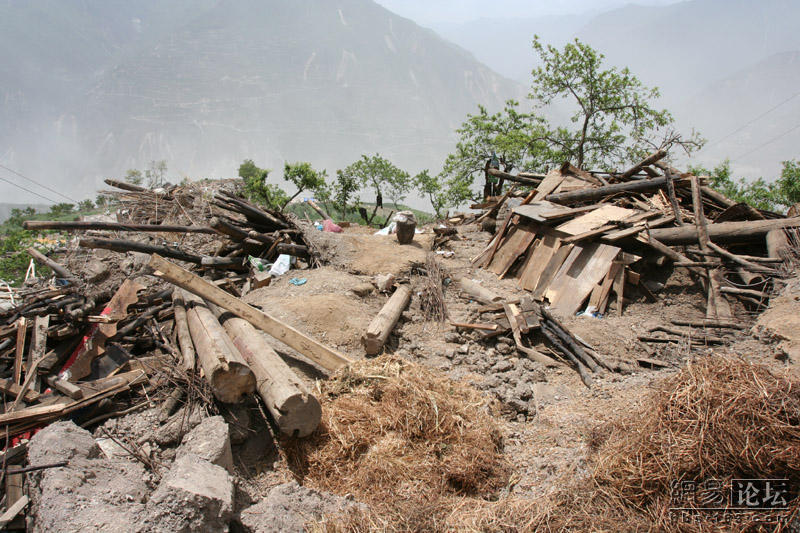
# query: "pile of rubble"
x,y
104,338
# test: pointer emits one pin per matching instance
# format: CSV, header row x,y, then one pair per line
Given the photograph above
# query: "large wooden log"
x,y
597,193
223,366
777,242
126,186
182,328
383,324
294,409
717,306
112,226
123,246
724,232
46,261
327,358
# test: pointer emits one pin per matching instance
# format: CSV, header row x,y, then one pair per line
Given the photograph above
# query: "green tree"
x,y
155,174
614,120
345,191
519,141
257,189
304,177
61,209
134,176
381,176
85,205
788,185
431,187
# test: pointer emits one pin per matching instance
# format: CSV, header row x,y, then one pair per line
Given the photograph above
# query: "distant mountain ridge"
x,y
205,87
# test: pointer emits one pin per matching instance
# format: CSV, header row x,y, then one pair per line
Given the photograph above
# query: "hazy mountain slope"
x,y
719,111
504,44
317,80
683,47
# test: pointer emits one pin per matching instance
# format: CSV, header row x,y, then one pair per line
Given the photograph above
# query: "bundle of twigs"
x,y
432,300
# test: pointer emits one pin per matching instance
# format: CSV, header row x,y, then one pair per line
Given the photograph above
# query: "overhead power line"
x,y
39,184
28,190
759,117
785,133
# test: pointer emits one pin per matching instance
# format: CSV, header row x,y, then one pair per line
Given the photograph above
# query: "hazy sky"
x,y
434,12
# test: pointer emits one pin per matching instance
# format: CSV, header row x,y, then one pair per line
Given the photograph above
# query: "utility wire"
x,y
39,184
28,190
759,117
785,133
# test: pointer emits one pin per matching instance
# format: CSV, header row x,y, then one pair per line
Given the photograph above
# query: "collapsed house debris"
x,y
578,239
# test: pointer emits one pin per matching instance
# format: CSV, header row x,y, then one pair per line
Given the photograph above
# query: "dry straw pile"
x,y
406,441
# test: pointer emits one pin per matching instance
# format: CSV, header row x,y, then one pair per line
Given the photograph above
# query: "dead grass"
x,y
405,440
719,418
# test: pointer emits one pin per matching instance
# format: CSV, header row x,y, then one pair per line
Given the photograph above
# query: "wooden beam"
x,y
724,232
383,324
327,358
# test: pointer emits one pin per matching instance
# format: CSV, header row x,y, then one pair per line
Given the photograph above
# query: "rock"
x,y
504,348
176,426
503,365
96,271
524,391
210,440
463,349
450,353
91,493
363,289
452,337
384,282
62,441
289,508
194,495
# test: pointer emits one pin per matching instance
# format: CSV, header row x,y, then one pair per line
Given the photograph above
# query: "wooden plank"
x,y
22,330
468,325
576,285
532,354
38,345
538,260
15,508
552,180
326,357
553,265
575,255
7,386
605,287
595,219
515,246
619,289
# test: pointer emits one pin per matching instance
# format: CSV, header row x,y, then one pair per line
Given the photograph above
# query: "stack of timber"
x,y
580,239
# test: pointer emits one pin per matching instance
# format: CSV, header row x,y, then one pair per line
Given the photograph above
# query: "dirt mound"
x,y
404,440
333,318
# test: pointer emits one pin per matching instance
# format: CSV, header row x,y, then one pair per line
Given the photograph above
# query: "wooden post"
x,y
383,324
327,358
717,306
294,409
182,327
223,366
